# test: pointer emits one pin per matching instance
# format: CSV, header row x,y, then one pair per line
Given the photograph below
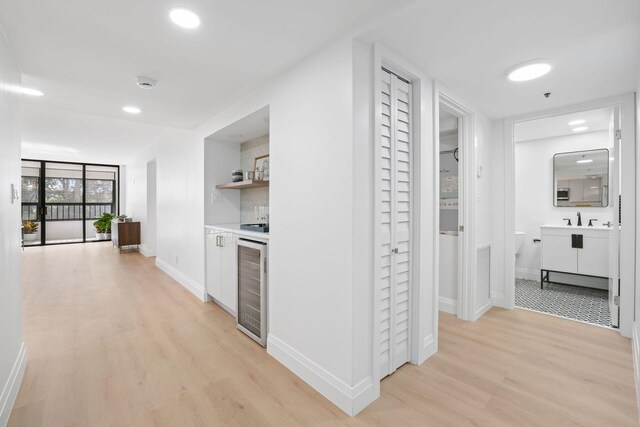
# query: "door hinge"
x,y
616,299
461,228
619,135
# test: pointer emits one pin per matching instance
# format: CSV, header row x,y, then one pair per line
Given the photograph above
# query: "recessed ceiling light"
x,y
235,135
576,122
184,18
30,91
580,129
585,161
131,110
528,71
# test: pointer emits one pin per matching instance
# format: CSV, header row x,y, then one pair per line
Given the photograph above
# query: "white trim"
x,y
448,305
482,310
626,103
429,346
527,273
144,252
635,349
190,285
466,195
350,399
11,387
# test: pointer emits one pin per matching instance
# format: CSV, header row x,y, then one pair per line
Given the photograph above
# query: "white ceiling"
x,y
84,54
550,127
469,46
53,134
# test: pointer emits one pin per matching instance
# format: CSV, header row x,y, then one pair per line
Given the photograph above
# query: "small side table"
x,y
125,234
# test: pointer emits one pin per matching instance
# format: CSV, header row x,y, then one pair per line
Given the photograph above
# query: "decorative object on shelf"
x,y
261,167
103,226
124,218
30,229
249,175
236,175
262,214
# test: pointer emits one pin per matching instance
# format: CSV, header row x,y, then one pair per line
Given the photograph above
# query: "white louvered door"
x,y
395,225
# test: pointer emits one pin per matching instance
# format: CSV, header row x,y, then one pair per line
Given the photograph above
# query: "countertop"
x,y
235,229
575,227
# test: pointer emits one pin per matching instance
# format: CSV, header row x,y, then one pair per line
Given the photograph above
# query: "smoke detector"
x,y
145,82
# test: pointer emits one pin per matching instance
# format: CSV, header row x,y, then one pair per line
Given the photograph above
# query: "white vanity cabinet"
x,y
576,250
222,268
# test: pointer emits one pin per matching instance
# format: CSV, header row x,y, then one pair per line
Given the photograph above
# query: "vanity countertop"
x,y
235,228
580,228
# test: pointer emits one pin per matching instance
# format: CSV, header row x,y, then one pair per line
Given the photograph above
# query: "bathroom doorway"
x,y
450,189
568,215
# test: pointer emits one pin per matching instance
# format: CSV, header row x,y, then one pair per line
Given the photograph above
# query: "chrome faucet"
x,y
579,220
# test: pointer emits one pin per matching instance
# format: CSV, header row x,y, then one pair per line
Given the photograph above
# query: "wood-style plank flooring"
x,y
113,341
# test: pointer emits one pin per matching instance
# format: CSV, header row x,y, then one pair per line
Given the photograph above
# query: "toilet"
x,y
519,242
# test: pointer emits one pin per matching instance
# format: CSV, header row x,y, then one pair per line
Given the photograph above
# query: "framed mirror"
x,y
581,178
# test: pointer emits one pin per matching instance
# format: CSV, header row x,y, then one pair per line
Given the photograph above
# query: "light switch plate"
x,y
15,195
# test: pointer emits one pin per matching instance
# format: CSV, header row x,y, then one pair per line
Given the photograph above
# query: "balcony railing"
x,y
66,211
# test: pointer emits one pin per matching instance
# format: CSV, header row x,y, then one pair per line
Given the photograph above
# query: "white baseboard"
x,y
527,273
190,285
482,310
11,387
448,305
146,252
429,348
351,399
635,349
499,300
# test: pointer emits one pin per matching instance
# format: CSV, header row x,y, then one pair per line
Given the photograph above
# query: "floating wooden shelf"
x,y
242,184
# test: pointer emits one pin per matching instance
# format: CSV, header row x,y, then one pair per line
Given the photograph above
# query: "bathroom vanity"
x,y
574,250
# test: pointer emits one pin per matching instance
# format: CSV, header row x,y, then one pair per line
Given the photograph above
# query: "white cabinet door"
x,y
229,271
395,200
557,253
213,266
593,259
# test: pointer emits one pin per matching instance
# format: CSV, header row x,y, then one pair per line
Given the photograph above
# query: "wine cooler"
x,y
252,289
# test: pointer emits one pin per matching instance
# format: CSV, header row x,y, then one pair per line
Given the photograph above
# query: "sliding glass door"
x,y
61,200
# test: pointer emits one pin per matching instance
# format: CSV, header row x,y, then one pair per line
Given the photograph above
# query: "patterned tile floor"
x,y
584,304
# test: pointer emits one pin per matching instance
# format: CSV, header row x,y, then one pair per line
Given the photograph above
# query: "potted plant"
x,y
103,226
30,229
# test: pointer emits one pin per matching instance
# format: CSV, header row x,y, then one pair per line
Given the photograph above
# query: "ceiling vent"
x,y
145,82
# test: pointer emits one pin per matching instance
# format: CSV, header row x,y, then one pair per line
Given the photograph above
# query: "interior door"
x,y
614,201
396,207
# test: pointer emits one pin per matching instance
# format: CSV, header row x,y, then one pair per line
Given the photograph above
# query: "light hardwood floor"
x,y
111,340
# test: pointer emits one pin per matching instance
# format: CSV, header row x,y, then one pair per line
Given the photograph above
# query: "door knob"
x,y
394,250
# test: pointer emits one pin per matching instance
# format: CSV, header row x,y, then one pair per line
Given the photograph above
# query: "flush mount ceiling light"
x,y
529,70
30,91
585,161
184,18
576,122
131,110
580,129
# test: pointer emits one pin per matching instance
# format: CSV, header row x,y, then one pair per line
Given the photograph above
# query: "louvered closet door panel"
x,y
385,227
395,173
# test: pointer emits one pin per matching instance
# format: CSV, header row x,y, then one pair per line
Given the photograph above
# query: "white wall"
x,y
321,278
11,341
534,193
149,232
